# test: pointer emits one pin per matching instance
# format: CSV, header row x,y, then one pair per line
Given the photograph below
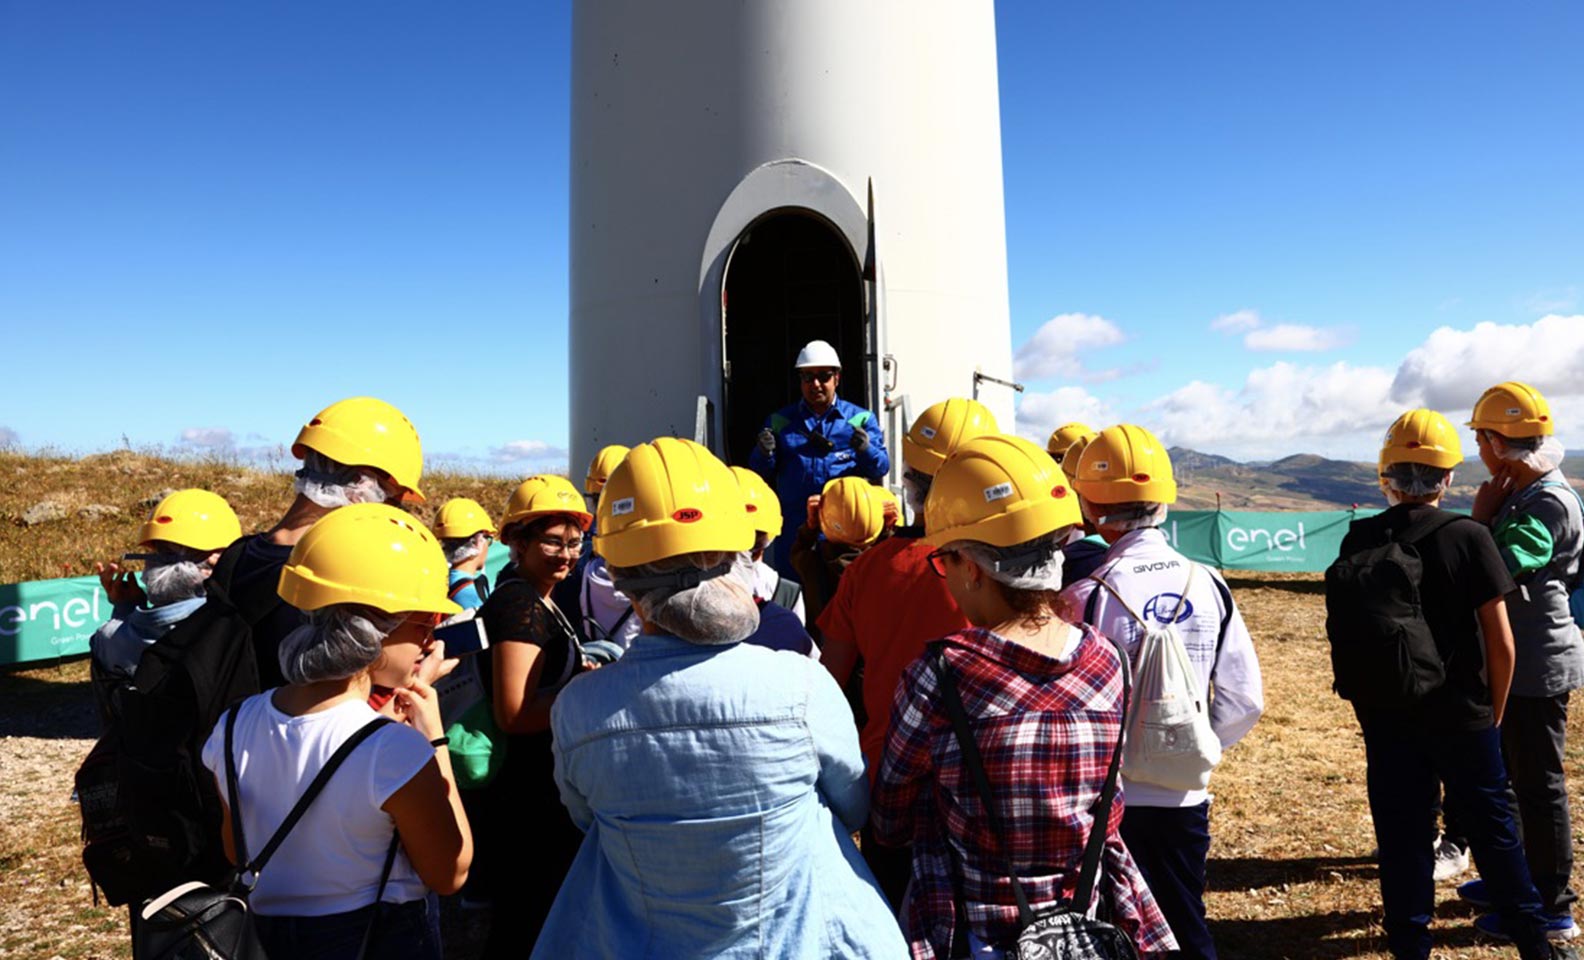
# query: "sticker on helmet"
x,y
622,506
1102,465
1514,412
998,492
928,432
688,515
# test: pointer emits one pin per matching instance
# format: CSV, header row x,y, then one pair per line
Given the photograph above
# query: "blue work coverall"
x,y
799,470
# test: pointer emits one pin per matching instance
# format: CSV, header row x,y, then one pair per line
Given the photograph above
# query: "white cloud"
x,y
1552,301
1450,369
1281,409
1040,413
523,451
1053,349
208,438
8,437
1293,337
1240,321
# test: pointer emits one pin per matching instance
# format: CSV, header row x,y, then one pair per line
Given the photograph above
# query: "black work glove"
x,y
767,442
860,439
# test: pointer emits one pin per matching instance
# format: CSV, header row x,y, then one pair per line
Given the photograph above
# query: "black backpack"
x,y
150,810
1382,650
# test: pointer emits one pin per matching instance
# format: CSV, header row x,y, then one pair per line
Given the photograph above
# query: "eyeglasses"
x,y
566,548
937,561
816,376
424,619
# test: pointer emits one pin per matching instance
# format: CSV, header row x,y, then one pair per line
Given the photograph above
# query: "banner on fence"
x,y
45,620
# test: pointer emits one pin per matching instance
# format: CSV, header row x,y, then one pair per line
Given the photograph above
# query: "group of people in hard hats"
x,y
650,748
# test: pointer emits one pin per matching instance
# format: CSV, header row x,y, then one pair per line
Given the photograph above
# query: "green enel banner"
x,y
1248,540
45,620
50,619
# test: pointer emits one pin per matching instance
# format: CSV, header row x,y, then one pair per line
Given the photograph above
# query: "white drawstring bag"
x,y
1169,740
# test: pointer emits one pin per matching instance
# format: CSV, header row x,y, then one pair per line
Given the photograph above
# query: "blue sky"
x,y
216,217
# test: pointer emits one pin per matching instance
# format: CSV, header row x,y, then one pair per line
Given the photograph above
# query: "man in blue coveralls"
x,y
819,438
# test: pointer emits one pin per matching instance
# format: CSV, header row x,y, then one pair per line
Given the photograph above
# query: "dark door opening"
x,y
791,278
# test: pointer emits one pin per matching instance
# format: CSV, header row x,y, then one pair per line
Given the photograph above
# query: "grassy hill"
x,y
1303,482
100,502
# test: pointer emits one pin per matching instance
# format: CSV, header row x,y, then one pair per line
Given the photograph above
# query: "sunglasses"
x,y
937,561
819,376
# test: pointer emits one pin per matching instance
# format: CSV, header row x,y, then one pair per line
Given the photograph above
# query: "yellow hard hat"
x,y
601,466
850,512
668,498
368,553
884,497
543,495
193,518
937,431
365,432
1063,437
461,517
1513,409
764,510
1001,490
1421,436
1126,464
1071,456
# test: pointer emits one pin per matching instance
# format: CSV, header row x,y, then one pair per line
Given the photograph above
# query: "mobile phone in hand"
x,y
464,638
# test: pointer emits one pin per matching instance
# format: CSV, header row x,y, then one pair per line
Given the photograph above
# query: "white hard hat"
x,y
818,353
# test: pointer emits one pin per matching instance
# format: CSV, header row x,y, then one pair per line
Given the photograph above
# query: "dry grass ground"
x,y
1290,870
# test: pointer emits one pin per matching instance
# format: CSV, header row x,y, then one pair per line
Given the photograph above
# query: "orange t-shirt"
x,y
889,605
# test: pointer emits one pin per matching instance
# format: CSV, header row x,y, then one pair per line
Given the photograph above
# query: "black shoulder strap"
x,y
459,586
320,780
238,839
1094,847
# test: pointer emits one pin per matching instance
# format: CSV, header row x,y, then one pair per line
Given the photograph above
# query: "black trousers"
x,y
1170,845
1534,736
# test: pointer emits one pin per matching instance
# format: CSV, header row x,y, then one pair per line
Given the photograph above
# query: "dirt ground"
x,y
1290,868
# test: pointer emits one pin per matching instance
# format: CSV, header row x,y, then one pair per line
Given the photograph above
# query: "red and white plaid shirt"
x,y
1046,729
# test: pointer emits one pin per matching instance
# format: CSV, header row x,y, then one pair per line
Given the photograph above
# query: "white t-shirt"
x,y
331,861
606,607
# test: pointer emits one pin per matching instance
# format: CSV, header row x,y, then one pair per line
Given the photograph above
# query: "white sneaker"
x,y
1451,860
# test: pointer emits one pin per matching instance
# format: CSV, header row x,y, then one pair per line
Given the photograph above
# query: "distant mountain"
x,y
1306,481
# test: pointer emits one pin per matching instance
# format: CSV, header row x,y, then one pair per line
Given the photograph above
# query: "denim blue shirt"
x,y
718,787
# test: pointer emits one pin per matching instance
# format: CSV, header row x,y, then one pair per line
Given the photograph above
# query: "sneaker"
x,y
1451,860
1474,892
1556,928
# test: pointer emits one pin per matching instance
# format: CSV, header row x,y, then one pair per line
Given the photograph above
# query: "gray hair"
x,y
337,642
1125,517
175,573
1416,479
1034,566
331,484
704,598
459,549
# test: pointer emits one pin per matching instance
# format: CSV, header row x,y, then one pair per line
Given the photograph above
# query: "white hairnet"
x,y
1125,517
708,598
168,577
1415,480
1036,565
915,490
1540,454
337,642
330,484
458,549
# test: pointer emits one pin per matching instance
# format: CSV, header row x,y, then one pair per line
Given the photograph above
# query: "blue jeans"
x,y
401,931
1404,767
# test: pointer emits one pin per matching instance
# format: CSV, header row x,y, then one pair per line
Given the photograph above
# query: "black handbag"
x,y
1065,931
199,921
